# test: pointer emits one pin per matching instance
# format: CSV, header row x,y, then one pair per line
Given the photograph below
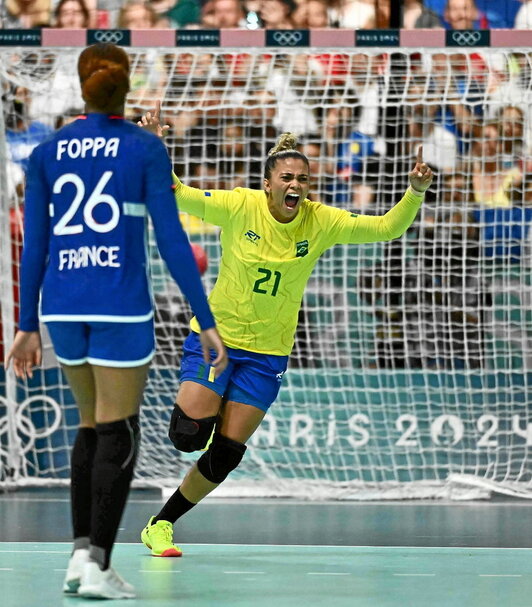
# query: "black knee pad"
x,y
189,434
222,456
118,441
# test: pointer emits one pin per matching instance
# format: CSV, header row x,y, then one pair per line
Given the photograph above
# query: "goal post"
x,y
410,372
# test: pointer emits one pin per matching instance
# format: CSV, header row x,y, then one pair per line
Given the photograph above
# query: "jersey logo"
x,y
301,248
252,237
353,215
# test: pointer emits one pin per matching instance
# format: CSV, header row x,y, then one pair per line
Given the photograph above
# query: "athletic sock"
x,y
81,462
175,507
112,472
81,542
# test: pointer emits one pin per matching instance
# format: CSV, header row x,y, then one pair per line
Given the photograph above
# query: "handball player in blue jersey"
x,y
90,188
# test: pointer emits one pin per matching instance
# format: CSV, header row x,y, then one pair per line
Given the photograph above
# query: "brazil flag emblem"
x,y
301,248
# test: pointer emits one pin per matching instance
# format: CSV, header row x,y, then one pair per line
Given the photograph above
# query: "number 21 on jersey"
x,y
266,275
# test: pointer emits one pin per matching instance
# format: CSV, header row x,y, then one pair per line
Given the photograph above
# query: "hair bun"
x,y
107,85
104,75
287,141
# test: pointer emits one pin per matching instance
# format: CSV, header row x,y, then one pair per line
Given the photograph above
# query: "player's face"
x,y
287,188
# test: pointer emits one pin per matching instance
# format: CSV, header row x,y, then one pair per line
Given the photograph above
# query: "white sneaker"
x,y
75,567
98,584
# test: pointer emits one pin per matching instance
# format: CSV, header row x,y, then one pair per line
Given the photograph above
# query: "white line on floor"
x,y
155,571
326,573
449,549
244,572
415,574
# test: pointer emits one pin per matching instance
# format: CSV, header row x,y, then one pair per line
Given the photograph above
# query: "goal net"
x,y
410,372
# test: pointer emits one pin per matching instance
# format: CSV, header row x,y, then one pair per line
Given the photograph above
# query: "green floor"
x,y
285,553
283,576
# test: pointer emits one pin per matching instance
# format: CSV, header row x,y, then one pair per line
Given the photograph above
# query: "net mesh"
x,y
409,376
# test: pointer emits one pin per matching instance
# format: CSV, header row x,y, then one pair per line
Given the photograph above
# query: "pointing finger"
x,y
157,109
419,157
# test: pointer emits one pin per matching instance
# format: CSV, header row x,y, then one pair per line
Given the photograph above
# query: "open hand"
x,y
421,175
151,121
26,352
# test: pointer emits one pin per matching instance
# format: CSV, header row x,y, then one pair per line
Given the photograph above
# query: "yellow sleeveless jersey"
x,y
265,264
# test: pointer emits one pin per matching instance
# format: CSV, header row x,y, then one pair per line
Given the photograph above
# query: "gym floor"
x,y
283,553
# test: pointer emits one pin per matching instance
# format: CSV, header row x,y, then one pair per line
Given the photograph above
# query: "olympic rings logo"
x,y
24,424
112,36
465,38
287,38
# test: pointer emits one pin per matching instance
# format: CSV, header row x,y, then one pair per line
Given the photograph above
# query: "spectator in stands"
x,y
453,298
311,14
351,150
464,15
521,193
523,19
137,14
321,167
223,14
511,81
510,120
205,176
180,14
370,14
506,231
355,14
294,81
22,133
71,14
459,81
417,15
148,74
260,112
26,13
161,7
197,127
277,14
364,73
237,169
61,93
492,182
439,144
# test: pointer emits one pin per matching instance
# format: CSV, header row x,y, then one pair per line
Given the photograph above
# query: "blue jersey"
x,y
89,189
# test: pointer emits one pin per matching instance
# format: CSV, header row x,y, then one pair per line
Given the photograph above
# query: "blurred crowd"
x,y
360,116
268,14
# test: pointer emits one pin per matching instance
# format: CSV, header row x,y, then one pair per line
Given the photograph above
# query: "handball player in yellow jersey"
x,y
271,240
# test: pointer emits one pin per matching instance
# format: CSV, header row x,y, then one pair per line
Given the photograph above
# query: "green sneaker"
x,y
158,538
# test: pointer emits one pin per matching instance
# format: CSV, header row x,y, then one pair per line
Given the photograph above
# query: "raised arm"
x,y
188,199
393,224
175,249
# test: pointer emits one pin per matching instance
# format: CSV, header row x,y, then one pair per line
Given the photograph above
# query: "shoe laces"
x,y
166,530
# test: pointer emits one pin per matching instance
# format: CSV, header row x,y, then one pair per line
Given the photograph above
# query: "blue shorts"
x,y
250,378
109,344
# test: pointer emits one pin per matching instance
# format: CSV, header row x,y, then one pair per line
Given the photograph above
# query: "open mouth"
x,y
291,200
